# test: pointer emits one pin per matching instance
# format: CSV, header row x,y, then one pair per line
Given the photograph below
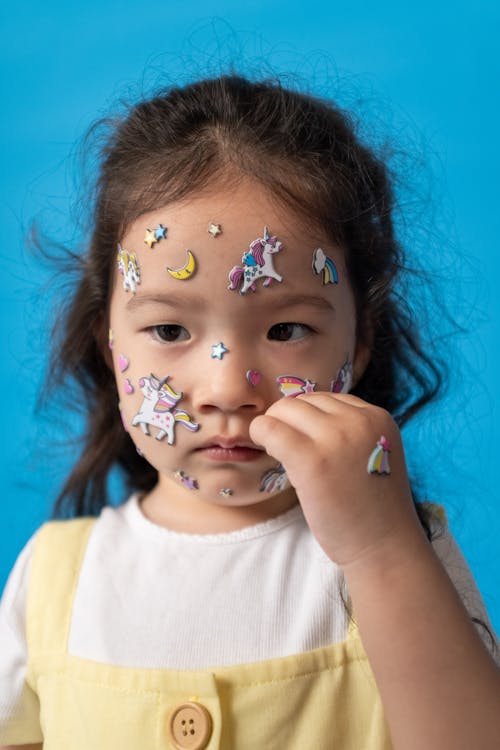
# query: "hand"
x,y
324,441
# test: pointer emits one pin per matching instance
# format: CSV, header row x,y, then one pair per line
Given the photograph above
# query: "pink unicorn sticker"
x,y
257,264
157,409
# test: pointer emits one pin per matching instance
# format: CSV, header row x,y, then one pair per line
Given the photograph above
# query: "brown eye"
x,y
170,333
288,331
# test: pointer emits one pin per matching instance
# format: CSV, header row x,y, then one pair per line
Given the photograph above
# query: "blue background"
x,y
426,72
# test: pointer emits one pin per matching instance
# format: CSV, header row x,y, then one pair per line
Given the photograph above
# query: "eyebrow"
x,y
197,302
166,299
311,300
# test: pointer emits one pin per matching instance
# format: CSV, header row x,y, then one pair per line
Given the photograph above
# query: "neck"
x,y
182,510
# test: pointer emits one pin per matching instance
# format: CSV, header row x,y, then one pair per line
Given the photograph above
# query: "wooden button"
x,y
190,726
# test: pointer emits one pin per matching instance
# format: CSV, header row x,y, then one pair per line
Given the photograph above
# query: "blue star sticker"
x,y
160,232
218,350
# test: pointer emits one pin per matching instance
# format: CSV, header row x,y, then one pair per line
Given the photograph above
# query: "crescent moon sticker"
x,y
185,271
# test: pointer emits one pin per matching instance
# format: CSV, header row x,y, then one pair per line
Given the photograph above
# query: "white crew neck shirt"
x,y
149,597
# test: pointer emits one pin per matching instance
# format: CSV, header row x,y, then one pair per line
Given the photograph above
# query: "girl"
x,y
245,360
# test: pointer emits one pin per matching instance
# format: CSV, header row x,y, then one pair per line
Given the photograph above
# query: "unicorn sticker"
x,y
157,409
189,482
257,264
343,381
274,480
128,266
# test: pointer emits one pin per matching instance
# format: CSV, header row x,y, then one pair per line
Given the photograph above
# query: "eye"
x,y
169,333
288,331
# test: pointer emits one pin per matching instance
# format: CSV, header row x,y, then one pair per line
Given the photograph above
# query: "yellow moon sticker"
x,y
185,271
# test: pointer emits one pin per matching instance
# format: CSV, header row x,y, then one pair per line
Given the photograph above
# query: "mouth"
x,y
230,450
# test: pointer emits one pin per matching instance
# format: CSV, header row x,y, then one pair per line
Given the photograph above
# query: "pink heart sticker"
x,y
123,363
253,377
128,387
124,422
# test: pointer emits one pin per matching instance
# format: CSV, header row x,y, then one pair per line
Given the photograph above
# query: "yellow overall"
x,y
324,699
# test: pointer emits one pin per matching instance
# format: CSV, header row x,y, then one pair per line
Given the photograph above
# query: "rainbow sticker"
x,y
378,463
292,386
322,264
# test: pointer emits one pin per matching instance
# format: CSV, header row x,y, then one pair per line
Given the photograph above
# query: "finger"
x,y
292,426
280,439
329,400
303,415
322,416
343,398
299,412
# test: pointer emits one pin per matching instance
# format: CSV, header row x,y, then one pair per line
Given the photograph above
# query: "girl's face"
x,y
196,361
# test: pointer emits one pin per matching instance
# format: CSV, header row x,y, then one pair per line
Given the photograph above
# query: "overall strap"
x,y
57,557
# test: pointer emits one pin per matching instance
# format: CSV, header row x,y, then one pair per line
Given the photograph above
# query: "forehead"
x,y
242,213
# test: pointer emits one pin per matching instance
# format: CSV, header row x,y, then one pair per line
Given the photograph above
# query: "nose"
x,y
227,386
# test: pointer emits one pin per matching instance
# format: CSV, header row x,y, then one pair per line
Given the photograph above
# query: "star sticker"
x,y
225,492
309,387
214,229
160,232
149,238
218,350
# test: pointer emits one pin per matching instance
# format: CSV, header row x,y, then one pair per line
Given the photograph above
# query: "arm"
x,y
439,686
15,693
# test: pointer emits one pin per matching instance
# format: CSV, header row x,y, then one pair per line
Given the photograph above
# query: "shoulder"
x,y
47,538
52,539
434,516
15,697
64,532
67,534
15,590
448,551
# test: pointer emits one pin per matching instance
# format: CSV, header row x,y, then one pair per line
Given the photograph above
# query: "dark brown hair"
x,y
306,152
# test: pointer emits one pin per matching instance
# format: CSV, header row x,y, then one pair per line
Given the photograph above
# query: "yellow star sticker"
x,y
149,238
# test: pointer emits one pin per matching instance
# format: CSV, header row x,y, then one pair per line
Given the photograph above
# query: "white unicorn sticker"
x,y
343,381
128,266
158,410
257,264
274,480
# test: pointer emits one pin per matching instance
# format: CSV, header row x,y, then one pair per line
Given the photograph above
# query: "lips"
x,y
227,449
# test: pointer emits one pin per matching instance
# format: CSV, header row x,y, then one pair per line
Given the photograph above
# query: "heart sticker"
x,y
128,387
253,377
123,363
